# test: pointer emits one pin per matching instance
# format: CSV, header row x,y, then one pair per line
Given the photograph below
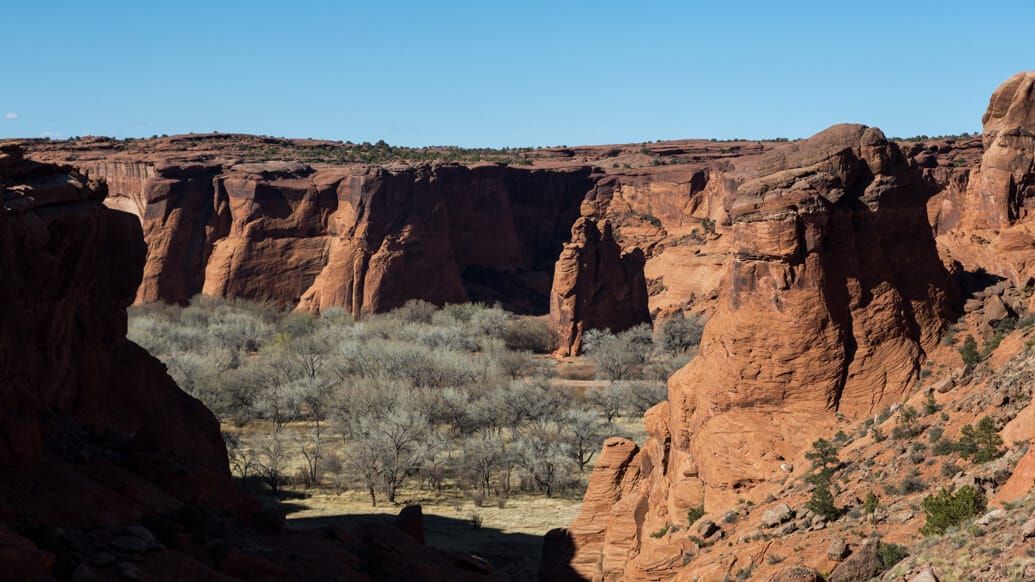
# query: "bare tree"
x,y
585,431
616,356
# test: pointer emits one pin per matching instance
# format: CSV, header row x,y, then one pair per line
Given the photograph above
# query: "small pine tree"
x,y
946,509
930,405
824,457
982,442
822,500
871,502
969,351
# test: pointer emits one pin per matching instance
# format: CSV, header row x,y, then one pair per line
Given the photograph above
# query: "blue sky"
x,y
503,73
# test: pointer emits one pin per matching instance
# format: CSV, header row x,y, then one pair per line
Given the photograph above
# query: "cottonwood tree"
x,y
616,356
547,459
395,439
481,457
585,430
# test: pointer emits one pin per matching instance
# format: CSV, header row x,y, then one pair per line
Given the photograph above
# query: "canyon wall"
x,y
831,295
365,239
596,247
72,382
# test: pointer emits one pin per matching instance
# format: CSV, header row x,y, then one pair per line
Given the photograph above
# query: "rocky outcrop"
x,y
992,227
365,239
596,286
73,384
832,295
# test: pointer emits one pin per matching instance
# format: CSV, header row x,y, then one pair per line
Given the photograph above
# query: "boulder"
x,y
837,550
777,515
862,564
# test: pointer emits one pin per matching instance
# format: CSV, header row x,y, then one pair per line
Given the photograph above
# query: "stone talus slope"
x,y
833,292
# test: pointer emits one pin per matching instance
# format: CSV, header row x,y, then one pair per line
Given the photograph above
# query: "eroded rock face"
x,y
596,286
365,239
992,227
73,388
833,292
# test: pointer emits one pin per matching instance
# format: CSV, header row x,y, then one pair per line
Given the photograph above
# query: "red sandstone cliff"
x,y
985,219
832,295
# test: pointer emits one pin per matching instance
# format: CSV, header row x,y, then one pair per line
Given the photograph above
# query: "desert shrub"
x,y
911,483
907,426
609,401
640,395
917,452
547,461
617,356
694,513
950,469
942,447
930,405
890,554
870,503
948,509
529,334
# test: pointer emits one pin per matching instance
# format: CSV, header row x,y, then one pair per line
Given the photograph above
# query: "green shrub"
x,y
890,554
822,500
947,509
930,405
694,513
661,532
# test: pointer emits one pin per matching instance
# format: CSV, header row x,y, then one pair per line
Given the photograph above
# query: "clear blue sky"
x,y
501,73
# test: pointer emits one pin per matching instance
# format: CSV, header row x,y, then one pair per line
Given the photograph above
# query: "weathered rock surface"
x,y
863,564
73,383
832,295
596,286
985,213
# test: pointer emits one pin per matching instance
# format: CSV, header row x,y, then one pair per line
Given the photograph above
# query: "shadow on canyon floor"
x,y
513,556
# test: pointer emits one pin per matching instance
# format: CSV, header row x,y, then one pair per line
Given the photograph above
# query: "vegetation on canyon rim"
x,y
441,398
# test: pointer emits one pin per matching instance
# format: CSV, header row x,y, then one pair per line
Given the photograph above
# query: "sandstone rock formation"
x,y
989,225
596,286
832,295
73,383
